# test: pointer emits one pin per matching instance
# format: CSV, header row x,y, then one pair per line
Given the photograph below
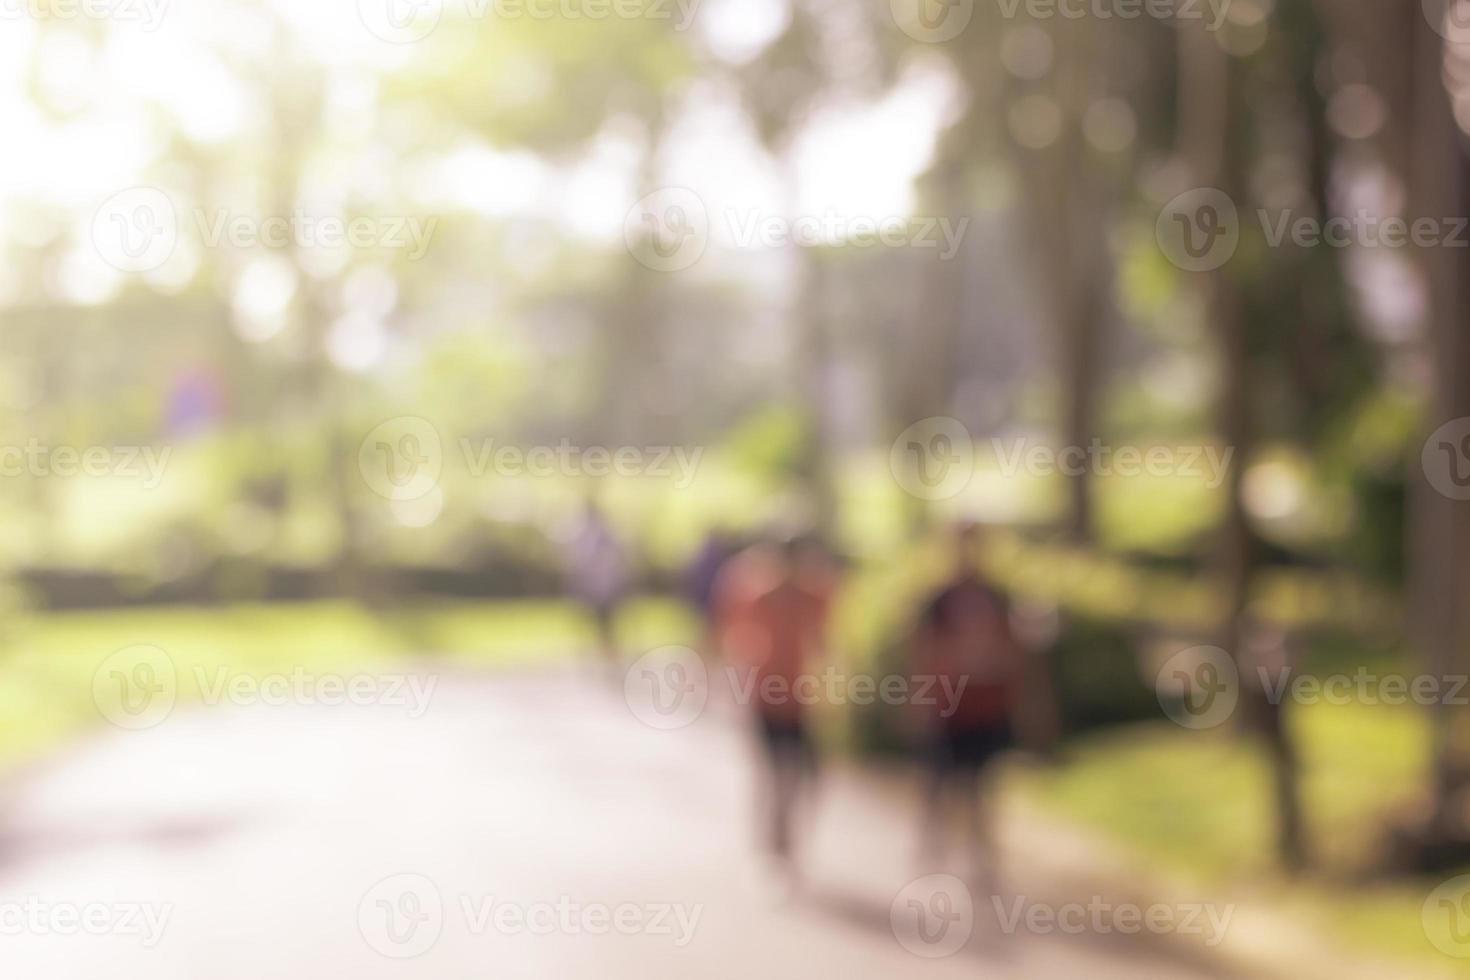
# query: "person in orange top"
x,y
778,640
741,581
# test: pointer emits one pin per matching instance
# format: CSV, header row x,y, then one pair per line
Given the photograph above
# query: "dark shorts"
x,y
968,749
603,611
785,739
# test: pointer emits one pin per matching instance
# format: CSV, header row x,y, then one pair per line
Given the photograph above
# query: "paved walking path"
x,y
528,825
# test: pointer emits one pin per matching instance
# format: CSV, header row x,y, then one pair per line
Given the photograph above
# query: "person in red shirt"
x,y
963,640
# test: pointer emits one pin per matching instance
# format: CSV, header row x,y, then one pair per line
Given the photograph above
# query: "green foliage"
x,y
768,443
546,84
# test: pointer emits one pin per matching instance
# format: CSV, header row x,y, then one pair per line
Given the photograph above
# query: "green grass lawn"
x,y
48,661
1197,804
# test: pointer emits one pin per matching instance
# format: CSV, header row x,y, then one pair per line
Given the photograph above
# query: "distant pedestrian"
x,y
598,576
702,582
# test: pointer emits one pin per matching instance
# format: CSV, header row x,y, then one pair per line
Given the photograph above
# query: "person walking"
x,y
597,576
775,641
964,643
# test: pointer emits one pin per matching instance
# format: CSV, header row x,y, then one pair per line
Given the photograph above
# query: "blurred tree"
x,y
781,89
1439,180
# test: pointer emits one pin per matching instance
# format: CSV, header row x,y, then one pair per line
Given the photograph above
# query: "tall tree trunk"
x,y
816,469
1208,123
1088,298
1067,203
1439,546
929,372
1081,331
810,369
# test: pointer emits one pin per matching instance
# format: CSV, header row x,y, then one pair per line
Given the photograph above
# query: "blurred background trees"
x,y
529,320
